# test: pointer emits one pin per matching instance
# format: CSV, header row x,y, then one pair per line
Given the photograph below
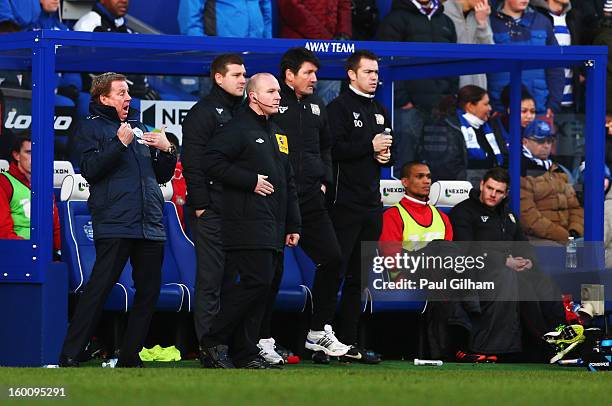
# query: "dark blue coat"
x,y
125,199
545,85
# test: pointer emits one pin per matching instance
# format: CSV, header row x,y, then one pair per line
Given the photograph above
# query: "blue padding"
x,y
168,92
292,295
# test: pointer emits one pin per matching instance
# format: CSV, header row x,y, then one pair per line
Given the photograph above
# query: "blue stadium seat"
x,y
293,295
78,251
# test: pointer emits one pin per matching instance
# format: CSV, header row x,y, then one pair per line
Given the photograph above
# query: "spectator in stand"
x,y
471,19
603,36
315,19
109,16
417,21
568,29
462,138
365,19
549,207
16,15
15,196
515,22
501,121
226,18
179,186
592,12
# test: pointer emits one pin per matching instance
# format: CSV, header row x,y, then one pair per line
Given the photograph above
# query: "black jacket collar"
x,y
226,99
109,112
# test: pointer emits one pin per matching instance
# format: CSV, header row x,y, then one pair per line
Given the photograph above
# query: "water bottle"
x,y
387,132
571,260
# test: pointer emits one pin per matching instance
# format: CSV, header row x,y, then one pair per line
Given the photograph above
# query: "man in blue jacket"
x,y
124,166
514,22
226,18
16,15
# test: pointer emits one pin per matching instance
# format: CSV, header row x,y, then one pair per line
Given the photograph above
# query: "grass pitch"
x,y
390,383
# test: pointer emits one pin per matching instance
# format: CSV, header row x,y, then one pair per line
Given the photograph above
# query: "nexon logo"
x,y
62,171
388,190
450,192
23,121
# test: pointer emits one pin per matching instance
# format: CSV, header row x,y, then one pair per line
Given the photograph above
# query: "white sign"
x,y
334,47
155,113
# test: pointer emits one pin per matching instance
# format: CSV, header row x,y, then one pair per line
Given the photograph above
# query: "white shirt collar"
x,y
360,93
412,199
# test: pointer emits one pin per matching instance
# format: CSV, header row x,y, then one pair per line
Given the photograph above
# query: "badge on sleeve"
x,y
283,144
315,109
380,119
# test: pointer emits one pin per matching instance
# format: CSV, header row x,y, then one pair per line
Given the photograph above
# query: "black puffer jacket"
x,y
305,122
405,23
249,145
125,200
204,118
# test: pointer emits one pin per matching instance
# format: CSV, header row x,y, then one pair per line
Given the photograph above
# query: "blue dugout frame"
x,y
45,52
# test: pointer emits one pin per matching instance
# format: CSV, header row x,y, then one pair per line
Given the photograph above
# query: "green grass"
x,y
393,382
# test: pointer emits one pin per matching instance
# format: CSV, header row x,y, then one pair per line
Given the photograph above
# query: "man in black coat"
x,y
304,116
204,195
250,156
361,148
521,293
124,166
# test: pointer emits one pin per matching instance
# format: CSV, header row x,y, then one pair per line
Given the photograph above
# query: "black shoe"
x,y
205,360
219,357
259,363
357,354
129,363
67,362
319,357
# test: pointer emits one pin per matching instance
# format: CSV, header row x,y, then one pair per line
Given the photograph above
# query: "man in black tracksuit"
x,y
250,156
203,194
360,149
496,326
124,166
304,117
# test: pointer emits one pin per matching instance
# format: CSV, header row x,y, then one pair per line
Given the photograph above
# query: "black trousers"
x,y
243,301
318,240
146,257
210,270
352,228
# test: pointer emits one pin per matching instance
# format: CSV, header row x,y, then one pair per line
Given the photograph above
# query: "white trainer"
x,y
325,341
268,351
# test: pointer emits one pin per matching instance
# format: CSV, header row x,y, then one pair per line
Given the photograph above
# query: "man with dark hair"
x,y
124,166
203,194
15,196
412,223
361,147
261,215
494,324
304,116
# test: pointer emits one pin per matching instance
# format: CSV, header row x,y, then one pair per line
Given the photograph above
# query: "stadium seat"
x,y
79,253
4,165
293,294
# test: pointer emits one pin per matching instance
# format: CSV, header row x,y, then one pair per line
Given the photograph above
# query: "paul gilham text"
x,y
453,284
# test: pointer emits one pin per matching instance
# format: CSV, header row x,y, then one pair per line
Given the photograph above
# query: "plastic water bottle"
x,y
387,132
571,261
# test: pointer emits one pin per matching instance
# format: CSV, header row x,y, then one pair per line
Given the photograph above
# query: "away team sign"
x,y
169,113
334,47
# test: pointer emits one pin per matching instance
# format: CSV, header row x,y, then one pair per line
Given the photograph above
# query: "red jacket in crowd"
x,y
315,19
6,221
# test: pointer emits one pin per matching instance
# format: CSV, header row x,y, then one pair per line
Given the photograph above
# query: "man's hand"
x,y
263,187
482,11
157,140
383,157
199,212
550,114
323,188
518,264
291,240
381,142
125,133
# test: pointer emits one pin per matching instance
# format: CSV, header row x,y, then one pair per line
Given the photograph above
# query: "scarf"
x,y
545,163
469,124
427,11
